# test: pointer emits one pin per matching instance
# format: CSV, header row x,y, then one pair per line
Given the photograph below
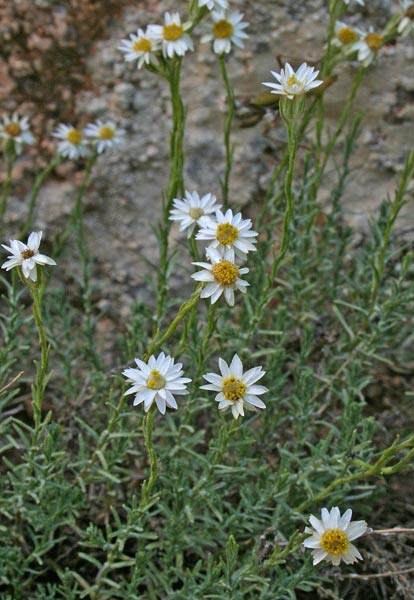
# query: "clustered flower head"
x,y
141,47
104,134
226,31
191,210
157,381
229,234
367,46
76,143
236,389
331,536
291,83
26,256
172,36
17,130
345,35
222,277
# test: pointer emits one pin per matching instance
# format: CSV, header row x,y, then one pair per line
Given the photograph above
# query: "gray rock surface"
x,y
124,198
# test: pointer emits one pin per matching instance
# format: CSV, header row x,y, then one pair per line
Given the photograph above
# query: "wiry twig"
x,y
12,382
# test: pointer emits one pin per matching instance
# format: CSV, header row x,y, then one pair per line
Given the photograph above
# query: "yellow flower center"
x,y
106,133
292,81
172,32
13,129
233,389
196,212
225,272
155,380
27,253
74,136
374,41
223,29
227,233
346,35
142,45
335,541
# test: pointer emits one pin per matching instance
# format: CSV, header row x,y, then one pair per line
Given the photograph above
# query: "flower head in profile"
x,y
222,277
230,235
331,537
140,47
291,83
344,35
72,144
214,4
368,47
226,31
17,130
406,25
191,210
172,36
236,389
26,256
157,381
104,134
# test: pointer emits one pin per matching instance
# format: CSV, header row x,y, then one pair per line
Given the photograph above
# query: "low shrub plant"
x,y
227,451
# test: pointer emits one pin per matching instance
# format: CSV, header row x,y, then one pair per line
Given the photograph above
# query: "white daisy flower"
x,y
140,47
13,128
230,235
367,47
73,144
104,134
214,4
406,25
235,388
293,84
344,34
221,276
191,211
226,31
26,256
360,2
158,380
331,537
172,36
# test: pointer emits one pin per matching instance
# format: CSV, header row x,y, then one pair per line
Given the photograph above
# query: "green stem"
x,y
77,209
155,345
225,434
35,193
227,131
41,369
176,180
9,156
150,482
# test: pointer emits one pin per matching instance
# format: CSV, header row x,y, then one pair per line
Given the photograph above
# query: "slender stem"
x,y
176,180
35,193
41,369
227,131
9,156
184,309
77,209
288,216
193,248
226,433
149,483
287,220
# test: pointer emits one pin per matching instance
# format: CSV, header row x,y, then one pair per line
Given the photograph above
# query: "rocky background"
x,y
60,63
